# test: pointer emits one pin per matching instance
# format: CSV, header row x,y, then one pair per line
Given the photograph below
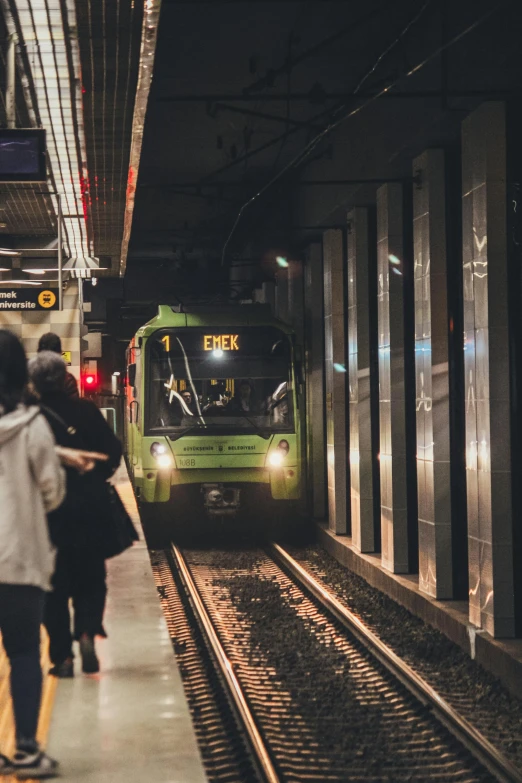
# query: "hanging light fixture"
x,y
81,266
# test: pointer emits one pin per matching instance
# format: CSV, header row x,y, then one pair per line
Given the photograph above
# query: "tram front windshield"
x,y
228,379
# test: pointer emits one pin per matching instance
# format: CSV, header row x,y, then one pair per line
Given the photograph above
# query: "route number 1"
x,y
166,342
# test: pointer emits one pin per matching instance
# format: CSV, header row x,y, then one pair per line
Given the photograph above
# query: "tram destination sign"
x,y
17,299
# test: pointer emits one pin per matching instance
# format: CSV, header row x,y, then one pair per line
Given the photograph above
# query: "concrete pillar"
x,y
314,365
335,380
360,427
31,325
296,299
487,372
268,294
392,403
432,376
281,295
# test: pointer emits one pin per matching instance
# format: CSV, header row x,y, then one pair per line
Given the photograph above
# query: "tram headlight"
x,y
161,454
277,457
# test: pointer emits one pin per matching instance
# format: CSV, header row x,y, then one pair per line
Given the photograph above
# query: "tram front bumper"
x,y
219,500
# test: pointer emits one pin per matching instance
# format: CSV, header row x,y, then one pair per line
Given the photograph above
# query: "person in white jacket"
x,y
32,483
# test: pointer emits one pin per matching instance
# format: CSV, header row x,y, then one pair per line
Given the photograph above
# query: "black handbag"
x,y
121,534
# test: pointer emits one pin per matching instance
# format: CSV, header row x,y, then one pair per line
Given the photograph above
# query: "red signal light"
x,y
90,380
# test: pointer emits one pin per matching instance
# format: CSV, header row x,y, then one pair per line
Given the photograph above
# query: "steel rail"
x,y
472,739
264,762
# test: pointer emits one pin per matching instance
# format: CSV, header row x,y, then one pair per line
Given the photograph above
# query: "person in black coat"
x,y
80,527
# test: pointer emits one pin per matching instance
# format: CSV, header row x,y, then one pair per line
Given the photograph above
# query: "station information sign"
x,y
17,299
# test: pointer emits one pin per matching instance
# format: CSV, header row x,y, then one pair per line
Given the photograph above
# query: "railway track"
x,y
316,694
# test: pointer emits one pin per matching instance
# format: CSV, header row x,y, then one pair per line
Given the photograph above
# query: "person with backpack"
x,y
32,484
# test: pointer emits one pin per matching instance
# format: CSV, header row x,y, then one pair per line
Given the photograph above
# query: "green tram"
x,y
212,420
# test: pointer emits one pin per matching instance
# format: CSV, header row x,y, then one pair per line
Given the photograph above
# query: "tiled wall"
x,y
360,424
335,380
432,376
486,365
30,326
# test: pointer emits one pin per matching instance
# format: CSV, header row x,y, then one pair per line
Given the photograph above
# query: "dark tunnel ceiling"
x,y
222,89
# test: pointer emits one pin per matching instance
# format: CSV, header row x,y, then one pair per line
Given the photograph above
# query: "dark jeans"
x,y
80,575
21,612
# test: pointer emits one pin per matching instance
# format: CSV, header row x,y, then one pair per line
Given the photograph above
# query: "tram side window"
x,y
131,375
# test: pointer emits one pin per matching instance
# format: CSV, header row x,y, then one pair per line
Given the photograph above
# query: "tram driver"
x,y
244,401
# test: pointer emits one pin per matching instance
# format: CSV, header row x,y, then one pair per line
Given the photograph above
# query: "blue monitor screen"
x,y
22,155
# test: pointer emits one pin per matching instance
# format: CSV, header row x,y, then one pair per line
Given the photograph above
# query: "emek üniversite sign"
x,y
22,299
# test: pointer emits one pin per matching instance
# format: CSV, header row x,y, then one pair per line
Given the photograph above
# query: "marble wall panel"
x,y
392,403
315,366
432,373
487,372
335,380
361,459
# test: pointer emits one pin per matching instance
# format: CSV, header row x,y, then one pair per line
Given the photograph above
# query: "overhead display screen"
x,y
22,155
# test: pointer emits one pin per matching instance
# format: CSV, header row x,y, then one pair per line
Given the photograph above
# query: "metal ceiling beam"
x,y
299,183
145,67
240,2
264,116
290,62
321,97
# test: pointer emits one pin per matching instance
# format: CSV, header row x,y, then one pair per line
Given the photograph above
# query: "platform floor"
x,y
130,722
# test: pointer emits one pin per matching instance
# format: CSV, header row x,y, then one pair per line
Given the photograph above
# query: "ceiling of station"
x,y
110,38
241,90
78,76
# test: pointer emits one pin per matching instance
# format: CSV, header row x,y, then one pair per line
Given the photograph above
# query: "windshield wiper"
x,y
259,431
187,430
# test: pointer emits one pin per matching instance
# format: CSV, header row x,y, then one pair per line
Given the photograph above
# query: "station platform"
x,y
130,722
502,657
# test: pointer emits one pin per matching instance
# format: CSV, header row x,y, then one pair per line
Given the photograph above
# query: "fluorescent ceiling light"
x,y
20,282
34,271
10,253
40,269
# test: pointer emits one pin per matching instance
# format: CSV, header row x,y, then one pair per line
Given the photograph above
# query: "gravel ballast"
x,y
474,692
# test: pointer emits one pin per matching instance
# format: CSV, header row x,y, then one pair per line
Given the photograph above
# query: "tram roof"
x,y
209,316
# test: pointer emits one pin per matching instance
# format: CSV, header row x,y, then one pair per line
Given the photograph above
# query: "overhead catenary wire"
x,y
358,109
311,145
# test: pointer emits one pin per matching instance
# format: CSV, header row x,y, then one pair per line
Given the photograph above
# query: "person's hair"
x,y
13,371
47,372
50,342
